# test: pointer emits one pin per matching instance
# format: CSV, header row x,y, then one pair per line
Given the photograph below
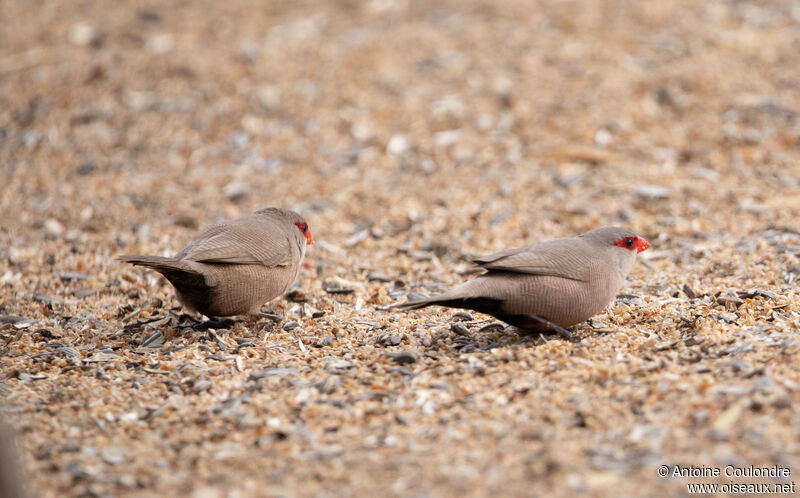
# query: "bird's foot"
x,y
565,334
215,323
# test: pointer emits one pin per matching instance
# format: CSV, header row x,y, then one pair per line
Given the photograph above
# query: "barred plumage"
x,y
235,267
563,281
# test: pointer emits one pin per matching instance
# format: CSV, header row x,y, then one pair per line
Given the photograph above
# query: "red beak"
x,y
310,239
641,244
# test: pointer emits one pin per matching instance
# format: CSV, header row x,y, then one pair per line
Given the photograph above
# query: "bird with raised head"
x,y
548,286
233,268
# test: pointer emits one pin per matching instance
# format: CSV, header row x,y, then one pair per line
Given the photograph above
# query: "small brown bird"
x,y
235,267
551,285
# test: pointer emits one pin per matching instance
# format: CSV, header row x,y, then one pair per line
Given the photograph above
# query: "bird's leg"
x,y
269,316
215,322
251,320
561,331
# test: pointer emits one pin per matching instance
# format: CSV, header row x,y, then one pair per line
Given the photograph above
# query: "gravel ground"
x,y
412,135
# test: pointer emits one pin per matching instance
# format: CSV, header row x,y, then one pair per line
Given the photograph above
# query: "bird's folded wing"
x,y
240,243
548,259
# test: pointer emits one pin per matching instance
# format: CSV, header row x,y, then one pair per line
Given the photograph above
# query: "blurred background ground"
x,y
412,135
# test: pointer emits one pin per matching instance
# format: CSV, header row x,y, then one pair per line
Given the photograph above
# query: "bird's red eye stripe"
x,y
631,243
304,228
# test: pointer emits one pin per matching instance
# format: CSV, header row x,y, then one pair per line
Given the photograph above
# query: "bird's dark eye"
x,y
629,242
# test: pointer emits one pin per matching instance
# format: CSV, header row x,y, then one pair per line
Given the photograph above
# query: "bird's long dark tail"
x,y
490,306
156,262
179,272
482,304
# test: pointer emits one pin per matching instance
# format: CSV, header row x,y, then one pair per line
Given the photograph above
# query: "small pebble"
x,y
338,286
26,377
597,324
491,326
321,343
462,315
83,35
66,277
398,145
476,365
53,227
652,192
113,455
236,191
368,323
68,351
467,348
328,385
272,372
155,341
161,43
83,293
402,357
757,293
704,174
338,365
389,339
11,319
460,329
729,300
378,277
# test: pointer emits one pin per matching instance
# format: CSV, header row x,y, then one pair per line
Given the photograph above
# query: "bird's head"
x,y
621,245
303,227
291,217
624,238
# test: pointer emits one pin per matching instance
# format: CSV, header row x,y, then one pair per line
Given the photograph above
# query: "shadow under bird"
x,y
235,267
548,286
